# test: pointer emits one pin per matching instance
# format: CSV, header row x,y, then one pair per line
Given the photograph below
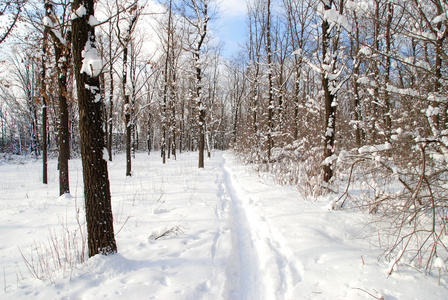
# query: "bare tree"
x,y
25,70
13,9
44,99
87,67
271,104
124,40
236,82
331,71
197,14
256,34
61,35
299,18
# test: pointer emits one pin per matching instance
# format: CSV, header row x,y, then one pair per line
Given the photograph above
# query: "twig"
x,y
399,257
379,298
30,266
348,184
176,230
122,225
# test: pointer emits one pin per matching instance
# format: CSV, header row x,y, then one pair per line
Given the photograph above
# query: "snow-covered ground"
x,y
222,232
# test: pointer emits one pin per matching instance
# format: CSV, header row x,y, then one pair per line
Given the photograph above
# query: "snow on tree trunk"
x,y
100,231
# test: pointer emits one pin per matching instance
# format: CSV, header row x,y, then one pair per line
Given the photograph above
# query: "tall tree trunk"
x,y
173,129
44,101
387,105
98,207
63,135
132,123
173,100
44,138
201,113
440,119
110,117
356,98
202,21
330,109
127,111
182,127
62,59
111,97
376,71
270,83
297,97
110,120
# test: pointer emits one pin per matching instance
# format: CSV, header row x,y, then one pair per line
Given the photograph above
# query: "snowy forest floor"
x,y
223,232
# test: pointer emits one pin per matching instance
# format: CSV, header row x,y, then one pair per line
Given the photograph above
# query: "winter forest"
x,y
326,126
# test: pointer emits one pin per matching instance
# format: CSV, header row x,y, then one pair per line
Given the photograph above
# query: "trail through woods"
x,y
222,232
261,266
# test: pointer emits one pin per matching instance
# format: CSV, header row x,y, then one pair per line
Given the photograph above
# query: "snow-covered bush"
x,y
405,186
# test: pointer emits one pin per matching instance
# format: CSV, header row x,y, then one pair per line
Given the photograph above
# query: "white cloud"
x,y
233,8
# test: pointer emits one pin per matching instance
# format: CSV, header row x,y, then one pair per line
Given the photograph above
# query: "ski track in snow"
x,y
241,237
260,267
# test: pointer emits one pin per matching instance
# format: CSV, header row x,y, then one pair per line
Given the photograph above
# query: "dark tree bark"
x,y
111,112
63,134
387,104
355,45
330,109
44,101
173,116
270,81
111,96
62,59
200,24
127,113
166,90
44,141
254,48
15,9
35,128
100,231
148,140
127,105
201,109
376,71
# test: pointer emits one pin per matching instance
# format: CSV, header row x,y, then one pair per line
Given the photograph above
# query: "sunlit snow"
x,y
222,232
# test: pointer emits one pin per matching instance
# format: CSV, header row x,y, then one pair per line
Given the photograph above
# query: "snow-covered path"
x,y
261,268
228,233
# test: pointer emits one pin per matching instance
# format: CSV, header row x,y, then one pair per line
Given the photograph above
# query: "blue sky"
x,y
231,25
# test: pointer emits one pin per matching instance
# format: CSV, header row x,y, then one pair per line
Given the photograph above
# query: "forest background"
x,y
318,93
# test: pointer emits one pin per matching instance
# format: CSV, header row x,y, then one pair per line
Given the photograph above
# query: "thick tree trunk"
x,y
99,217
